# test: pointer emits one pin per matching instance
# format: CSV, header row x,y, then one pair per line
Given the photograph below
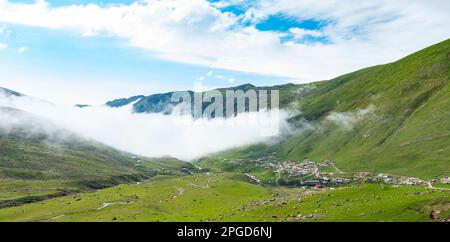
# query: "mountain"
x,y
82,105
124,101
40,160
8,92
388,118
161,102
34,148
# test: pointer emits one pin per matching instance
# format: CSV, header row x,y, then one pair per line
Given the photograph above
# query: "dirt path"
x,y
207,183
56,217
430,185
337,169
180,192
104,205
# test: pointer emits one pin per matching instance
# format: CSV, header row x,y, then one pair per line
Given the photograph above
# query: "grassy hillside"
x,y
388,118
40,160
226,197
406,133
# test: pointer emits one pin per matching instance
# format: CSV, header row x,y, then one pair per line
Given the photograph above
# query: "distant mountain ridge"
x,y
8,92
161,102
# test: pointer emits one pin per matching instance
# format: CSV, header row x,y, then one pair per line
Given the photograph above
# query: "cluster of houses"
x,y
268,162
324,181
389,179
304,168
308,168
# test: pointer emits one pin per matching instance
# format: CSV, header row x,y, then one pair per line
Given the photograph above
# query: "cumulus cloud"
x,y
3,46
361,33
152,135
23,49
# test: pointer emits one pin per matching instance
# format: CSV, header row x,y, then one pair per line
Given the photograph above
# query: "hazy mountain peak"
x,y
9,92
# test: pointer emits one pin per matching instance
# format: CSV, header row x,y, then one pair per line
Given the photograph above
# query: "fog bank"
x,y
152,135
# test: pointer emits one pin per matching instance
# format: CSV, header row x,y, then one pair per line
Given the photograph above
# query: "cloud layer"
x,y
360,33
152,135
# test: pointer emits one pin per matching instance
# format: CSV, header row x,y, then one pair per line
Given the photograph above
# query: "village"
x,y
308,173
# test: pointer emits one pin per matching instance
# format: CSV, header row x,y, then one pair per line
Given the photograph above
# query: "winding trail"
x,y
337,169
56,217
430,185
104,205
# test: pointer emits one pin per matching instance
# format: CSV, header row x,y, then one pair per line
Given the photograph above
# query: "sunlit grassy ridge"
x,y
404,131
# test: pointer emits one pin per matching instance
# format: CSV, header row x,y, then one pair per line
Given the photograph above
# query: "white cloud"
x,y
347,120
363,33
299,33
3,46
23,49
231,80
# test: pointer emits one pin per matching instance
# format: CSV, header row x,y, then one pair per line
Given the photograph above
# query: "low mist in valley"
x,y
152,135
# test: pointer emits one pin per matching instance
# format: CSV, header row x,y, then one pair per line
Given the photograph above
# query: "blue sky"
x,y
69,57
66,57
119,48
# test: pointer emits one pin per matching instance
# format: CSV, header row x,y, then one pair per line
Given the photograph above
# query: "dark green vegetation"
x,y
228,197
389,118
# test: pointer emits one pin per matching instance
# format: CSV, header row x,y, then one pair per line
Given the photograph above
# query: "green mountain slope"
x,y
38,158
407,132
388,118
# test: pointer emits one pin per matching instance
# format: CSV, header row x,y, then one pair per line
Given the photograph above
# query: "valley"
x,y
371,145
229,197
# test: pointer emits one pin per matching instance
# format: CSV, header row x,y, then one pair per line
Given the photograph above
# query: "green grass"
x,y
228,198
15,189
361,203
406,133
152,201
